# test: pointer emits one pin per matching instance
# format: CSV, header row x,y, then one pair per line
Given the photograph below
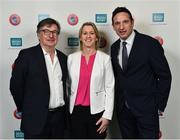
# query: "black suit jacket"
x,y
145,84
29,86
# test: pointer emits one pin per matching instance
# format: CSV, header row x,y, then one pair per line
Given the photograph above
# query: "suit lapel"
x,y
95,66
62,62
116,54
134,49
41,61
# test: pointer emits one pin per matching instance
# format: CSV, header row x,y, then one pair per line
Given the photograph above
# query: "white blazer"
x,y
101,84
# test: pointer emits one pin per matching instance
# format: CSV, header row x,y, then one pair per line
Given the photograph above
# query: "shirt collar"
x,y
45,53
130,39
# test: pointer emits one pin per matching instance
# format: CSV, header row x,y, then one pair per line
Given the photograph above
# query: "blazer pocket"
x,y
99,99
100,92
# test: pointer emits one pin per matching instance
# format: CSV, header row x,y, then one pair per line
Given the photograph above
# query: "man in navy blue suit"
x,y
142,78
38,85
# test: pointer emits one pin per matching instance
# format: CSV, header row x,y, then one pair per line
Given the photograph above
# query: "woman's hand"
x,y
104,124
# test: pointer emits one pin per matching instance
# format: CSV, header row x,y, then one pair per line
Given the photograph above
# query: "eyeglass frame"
x,y
47,32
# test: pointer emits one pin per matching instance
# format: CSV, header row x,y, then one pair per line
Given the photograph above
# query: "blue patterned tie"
x,y
124,55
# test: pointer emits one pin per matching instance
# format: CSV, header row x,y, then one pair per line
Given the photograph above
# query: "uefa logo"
x,y
17,115
14,19
160,39
160,134
102,42
12,66
161,115
72,19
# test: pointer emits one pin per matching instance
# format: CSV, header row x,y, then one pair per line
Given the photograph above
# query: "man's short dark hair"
x,y
119,10
48,21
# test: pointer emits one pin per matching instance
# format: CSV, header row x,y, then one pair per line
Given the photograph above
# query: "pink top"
x,y
83,92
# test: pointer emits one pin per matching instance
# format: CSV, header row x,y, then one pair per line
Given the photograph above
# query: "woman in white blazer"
x,y
92,87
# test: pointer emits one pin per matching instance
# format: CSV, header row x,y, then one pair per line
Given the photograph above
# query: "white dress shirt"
x,y
55,80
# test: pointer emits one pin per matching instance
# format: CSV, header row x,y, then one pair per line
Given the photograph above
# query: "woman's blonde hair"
x,y
95,30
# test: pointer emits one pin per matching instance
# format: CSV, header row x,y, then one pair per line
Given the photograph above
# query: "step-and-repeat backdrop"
x,y
158,18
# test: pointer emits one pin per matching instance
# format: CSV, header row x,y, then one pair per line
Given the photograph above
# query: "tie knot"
x,y
124,43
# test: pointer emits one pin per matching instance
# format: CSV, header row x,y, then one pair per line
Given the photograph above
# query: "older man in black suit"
x,y
38,84
142,78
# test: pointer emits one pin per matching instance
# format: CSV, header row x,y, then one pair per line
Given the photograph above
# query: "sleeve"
x,y
109,88
162,73
17,81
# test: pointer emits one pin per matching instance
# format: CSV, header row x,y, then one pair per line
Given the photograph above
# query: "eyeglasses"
x,y
48,32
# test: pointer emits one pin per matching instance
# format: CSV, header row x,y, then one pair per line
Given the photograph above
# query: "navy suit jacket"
x,y
145,84
29,86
